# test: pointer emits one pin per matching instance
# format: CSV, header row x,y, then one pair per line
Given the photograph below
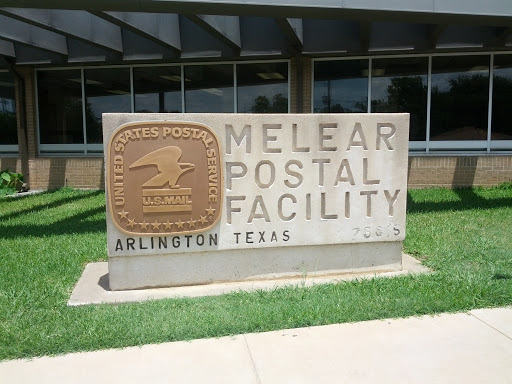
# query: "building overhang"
x,y
58,32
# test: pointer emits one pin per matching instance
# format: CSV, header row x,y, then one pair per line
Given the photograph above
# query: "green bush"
x,y
11,182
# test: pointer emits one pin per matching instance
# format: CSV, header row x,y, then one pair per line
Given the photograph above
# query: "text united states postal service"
x,y
199,182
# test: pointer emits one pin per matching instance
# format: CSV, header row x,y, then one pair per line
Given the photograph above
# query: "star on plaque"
x,y
123,214
191,223
180,224
131,223
143,225
156,225
167,225
203,219
210,210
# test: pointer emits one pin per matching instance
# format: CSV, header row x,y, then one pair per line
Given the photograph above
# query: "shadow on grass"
x,y
468,200
70,225
501,276
55,203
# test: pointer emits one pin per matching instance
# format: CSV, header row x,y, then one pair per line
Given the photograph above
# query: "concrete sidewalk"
x,y
474,347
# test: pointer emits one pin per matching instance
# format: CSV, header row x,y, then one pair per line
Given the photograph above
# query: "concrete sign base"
x,y
251,264
93,285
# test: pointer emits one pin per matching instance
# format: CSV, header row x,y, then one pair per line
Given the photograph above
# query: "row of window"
x,y
71,101
455,101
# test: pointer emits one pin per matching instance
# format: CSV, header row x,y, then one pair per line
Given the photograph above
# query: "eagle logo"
x,y
166,160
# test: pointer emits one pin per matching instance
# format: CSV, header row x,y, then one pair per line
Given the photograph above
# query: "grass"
x,y
46,240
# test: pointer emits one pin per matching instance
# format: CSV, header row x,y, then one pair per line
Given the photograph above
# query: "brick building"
x,y
64,63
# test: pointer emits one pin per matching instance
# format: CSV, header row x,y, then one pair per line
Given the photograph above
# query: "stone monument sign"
x,y
202,198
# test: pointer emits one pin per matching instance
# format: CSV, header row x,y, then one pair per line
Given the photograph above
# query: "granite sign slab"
x,y
200,198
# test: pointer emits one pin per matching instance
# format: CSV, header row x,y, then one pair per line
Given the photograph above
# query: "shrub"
x,y
10,182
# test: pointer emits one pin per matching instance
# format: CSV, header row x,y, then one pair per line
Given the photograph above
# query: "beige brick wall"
x,y
13,164
293,85
56,172
27,139
423,172
306,84
30,104
458,171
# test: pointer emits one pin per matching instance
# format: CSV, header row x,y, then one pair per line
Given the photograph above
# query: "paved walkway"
x,y
474,347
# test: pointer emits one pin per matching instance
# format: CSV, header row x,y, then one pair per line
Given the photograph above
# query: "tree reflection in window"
x,y
341,86
262,87
400,85
460,93
262,104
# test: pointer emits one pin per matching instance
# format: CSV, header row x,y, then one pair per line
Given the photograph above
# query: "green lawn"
x,y
46,240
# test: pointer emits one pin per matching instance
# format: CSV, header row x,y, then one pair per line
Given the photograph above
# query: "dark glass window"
x,y
460,93
262,88
501,129
209,88
60,107
400,85
157,89
341,86
107,90
8,131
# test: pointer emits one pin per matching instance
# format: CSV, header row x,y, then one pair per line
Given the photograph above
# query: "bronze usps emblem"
x,y
164,178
